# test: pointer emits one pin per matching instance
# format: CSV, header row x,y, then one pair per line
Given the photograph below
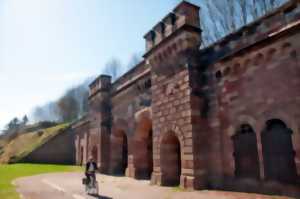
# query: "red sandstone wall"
x,y
126,106
81,131
256,85
201,103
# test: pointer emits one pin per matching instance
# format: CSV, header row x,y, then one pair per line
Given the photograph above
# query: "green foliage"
x,y
9,173
178,189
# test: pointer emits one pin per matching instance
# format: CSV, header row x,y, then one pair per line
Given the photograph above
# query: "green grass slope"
x,y
25,143
8,173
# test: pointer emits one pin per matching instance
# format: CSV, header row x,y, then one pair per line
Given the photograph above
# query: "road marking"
x,y
77,196
53,185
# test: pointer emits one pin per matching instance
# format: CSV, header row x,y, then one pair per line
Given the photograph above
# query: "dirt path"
x,y
68,186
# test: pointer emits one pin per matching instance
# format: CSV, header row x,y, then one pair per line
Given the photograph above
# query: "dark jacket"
x,y
88,165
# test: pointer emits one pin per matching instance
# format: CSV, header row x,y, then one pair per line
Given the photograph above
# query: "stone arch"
x,y
278,150
237,68
246,119
271,53
81,155
218,75
174,129
119,148
227,71
175,47
242,119
259,59
178,133
180,43
284,117
143,145
160,57
245,153
246,63
170,158
286,47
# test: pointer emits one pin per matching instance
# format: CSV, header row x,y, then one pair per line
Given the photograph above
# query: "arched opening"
x,y
245,152
170,160
81,156
95,153
143,153
119,153
124,154
278,152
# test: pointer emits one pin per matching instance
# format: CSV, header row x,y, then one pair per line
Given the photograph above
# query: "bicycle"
x,y
91,185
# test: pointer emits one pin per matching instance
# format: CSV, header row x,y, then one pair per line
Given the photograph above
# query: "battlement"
x,y
185,14
101,83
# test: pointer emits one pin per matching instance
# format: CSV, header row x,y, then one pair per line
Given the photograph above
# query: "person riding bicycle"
x,y
90,169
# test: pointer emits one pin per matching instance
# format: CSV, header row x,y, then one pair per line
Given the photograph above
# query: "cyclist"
x,y
90,169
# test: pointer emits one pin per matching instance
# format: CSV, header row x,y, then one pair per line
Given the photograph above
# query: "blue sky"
x,y
48,46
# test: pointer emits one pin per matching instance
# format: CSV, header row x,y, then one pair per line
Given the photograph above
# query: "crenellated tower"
x,y
171,51
100,121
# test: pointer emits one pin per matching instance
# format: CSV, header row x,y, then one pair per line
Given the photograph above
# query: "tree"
x,y
226,16
60,110
135,59
25,120
68,107
13,124
47,112
113,68
221,17
81,94
12,128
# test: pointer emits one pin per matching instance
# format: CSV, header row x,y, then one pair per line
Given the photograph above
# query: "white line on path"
x,y
61,189
78,196
53,185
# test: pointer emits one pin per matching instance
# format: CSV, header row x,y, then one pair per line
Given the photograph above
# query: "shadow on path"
x,y
100,197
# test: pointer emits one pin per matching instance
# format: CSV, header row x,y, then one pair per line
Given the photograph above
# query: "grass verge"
x,y
8,173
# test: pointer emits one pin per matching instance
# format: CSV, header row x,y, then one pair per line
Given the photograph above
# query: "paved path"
x,y
68,186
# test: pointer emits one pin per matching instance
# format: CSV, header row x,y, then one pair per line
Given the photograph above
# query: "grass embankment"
x,y
8,173
25,143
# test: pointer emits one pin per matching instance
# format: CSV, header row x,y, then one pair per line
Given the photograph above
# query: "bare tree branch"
x,y
113,68
221,17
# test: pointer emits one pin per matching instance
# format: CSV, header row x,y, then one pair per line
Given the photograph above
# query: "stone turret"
x,y
100,120
171,47
102,83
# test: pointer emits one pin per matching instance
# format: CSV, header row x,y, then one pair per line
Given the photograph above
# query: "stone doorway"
x,y
245,152
119,153
170,160
81,156
143,152
278,152
124,154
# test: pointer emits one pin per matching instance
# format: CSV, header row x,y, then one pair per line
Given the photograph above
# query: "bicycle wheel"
x,y
97,188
